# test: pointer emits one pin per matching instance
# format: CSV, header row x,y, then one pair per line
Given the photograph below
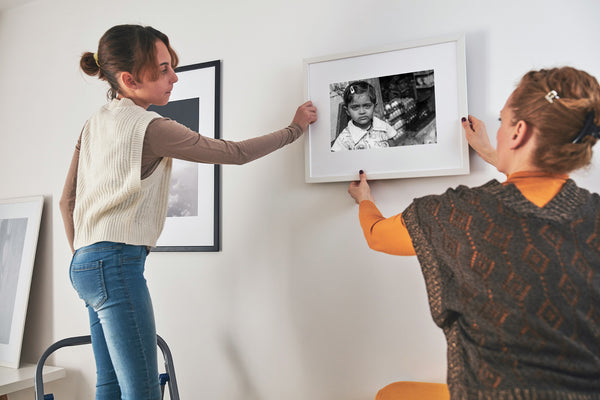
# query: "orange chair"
x,y
406,390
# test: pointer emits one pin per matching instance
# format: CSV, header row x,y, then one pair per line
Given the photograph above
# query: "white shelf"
x,y
15,379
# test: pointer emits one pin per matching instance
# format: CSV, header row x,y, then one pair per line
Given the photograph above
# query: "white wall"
x,y
295,306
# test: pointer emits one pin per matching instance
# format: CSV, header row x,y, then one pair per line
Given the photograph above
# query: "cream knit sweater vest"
x,y
112,202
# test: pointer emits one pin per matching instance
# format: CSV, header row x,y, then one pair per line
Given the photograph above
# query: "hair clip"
x,y
589,128
352,91
551,96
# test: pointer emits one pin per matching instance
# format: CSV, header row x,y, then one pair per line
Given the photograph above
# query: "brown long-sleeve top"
x,y
168,138
389,235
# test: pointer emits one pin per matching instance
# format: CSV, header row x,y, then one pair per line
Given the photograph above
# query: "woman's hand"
x,y
306,114
360,190
477,137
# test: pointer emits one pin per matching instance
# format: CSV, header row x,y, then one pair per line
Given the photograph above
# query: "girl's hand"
x,y
360,190
306,114
477,137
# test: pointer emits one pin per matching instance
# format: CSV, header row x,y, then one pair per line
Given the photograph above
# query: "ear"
x,y
128,81
521,134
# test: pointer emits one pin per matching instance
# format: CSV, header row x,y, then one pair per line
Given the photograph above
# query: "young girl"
x,y
115,199
511,268
364,130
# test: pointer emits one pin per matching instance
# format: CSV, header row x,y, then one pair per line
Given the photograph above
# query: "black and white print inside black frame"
x,y
194,211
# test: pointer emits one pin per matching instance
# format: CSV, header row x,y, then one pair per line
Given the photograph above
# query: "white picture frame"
x,y
20,220
429,148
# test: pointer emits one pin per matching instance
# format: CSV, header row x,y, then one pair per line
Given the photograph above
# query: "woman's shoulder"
x,y
491,187
573,192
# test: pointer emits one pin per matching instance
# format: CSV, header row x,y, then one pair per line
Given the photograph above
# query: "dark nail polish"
x,y
463,119
361,172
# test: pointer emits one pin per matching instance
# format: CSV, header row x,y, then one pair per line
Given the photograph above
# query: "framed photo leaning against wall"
x,y
20,221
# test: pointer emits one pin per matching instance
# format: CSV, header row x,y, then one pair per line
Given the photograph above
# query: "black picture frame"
x,y
193,222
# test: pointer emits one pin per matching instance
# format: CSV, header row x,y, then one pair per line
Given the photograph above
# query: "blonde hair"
x,y
558,121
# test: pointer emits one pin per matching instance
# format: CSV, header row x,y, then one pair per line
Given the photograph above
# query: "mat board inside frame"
x,y
418,91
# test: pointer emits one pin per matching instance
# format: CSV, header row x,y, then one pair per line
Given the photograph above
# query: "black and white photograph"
x,y
12,241
399,106
382,112
183,191
20,220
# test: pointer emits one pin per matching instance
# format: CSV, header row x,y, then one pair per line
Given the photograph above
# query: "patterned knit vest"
x,y
516,289
112,202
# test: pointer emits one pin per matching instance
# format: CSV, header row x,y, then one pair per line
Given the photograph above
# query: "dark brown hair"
x,y
359,87
126,48
558,123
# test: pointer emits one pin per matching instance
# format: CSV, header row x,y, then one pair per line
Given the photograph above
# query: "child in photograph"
x,y
364,130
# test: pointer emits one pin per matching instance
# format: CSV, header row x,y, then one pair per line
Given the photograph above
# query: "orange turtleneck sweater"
x,y
389,235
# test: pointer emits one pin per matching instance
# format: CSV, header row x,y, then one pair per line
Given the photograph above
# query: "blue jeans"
x,y
109,277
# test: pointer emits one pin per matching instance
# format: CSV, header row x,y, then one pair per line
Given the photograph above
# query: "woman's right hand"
x,y
477,137
360,190
306,114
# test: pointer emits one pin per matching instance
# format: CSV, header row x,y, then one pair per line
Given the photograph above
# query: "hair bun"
x,y
88,64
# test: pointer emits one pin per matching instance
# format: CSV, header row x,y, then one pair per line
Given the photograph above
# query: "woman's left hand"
x,y
360,190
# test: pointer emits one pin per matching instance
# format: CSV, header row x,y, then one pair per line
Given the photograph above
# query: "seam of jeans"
x,y
97,249
137,326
